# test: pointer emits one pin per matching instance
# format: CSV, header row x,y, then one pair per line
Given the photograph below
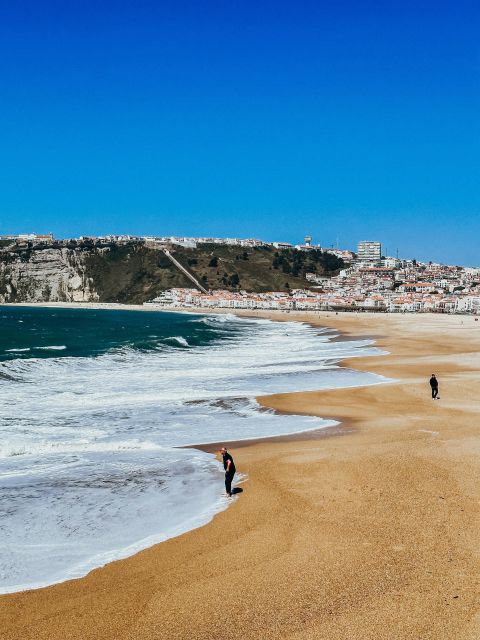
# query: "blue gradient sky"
x,y
348,120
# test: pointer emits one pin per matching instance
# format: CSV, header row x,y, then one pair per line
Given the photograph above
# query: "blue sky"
x,y
348,120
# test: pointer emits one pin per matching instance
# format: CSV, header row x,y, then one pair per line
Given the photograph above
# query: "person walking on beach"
x,y
434,386
229,466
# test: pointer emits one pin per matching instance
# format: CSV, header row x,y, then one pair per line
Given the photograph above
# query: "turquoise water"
x,y
30,332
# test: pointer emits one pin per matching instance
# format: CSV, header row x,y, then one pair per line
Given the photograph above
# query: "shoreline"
x,y
108,306
278,313
334,429
330,431
212,447
331,428
371,518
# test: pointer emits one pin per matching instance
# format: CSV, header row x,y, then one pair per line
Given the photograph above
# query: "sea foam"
x,y
90,464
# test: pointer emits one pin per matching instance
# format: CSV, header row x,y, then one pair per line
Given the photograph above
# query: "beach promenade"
x,y
365,532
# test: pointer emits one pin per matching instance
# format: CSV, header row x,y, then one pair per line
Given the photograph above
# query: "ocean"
x,y
95,405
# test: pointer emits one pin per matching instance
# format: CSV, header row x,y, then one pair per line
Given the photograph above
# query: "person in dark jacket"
x,y
434,386
229,466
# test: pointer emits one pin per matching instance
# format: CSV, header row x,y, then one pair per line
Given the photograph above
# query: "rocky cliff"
x,y
45,275
134,272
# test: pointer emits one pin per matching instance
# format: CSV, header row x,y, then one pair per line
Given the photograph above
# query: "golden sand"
x,y
371,535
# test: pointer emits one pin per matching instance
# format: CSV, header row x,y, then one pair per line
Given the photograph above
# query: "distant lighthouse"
x,y
308,241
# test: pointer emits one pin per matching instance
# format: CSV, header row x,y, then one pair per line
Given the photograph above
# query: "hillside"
x,y
135,273
256,269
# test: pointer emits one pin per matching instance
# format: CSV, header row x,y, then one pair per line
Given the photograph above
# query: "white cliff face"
x,y
46,275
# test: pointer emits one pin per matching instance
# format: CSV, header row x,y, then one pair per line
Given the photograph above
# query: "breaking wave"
x,y
179,340
90,464
53,347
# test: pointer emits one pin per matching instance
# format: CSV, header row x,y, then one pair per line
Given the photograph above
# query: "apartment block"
x,y
369,251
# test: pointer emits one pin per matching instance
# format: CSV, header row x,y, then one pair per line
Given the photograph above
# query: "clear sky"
x,y
349,120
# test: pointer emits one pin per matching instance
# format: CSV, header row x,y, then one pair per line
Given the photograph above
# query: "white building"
x,y
391,263
282,245
369,251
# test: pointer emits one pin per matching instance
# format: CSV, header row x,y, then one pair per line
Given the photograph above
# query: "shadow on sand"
x,y
236,490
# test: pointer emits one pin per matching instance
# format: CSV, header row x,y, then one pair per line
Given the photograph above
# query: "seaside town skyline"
x,y
368,281
391,286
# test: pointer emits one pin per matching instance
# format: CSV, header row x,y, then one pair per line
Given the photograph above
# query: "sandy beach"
x,y
367,532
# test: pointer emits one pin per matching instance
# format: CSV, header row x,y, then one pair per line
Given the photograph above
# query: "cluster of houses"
x,y
160,242
25,238
405,286
153,241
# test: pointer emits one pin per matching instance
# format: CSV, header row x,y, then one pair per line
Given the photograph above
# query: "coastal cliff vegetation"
x,y
133,272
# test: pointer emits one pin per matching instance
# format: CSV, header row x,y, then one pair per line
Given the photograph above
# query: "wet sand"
x,y
370,535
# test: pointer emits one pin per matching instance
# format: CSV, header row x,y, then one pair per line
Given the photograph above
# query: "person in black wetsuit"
x,y
229,466
434,386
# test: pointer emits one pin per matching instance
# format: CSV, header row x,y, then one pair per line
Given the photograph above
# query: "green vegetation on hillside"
x,y
256,269
135,273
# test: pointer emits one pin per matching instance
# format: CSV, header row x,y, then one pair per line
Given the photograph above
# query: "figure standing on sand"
x,y
434,385
229,466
